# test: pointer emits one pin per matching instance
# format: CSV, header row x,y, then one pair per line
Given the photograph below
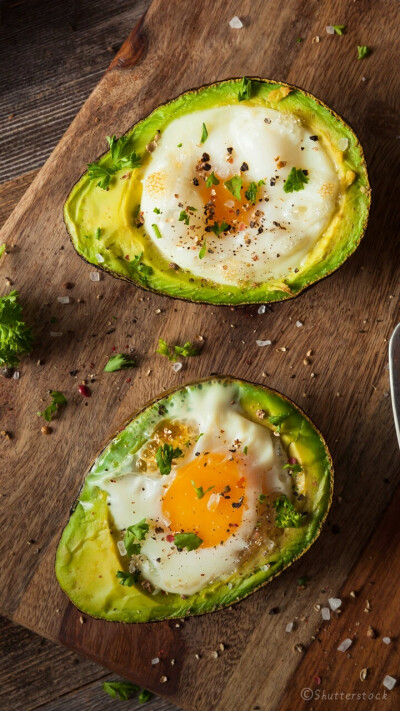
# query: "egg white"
x,y
291,222
134,495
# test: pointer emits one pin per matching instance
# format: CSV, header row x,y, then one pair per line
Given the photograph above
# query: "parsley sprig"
x,y
219,227
127,579
363,51
278,420
204,133
200,491
244,89
136,532
15,336
121,157
142,271
58,399
234,185
286,514
124,690
164,456
211,180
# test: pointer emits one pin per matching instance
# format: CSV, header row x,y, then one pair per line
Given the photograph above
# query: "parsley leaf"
x,y
245,449
200,491
278,420
244,89
119,362
251,192
203,250
339,29
164,456
211,180
2,248
262,498
127,579
15,336
234,186
187,350
286,514
204,133
157,210
134,533
58,399
145,695
184,217
187,540
143,271
101,172
157,231
122,690
97,234
261,182
295,468
295,181
218,228
363,51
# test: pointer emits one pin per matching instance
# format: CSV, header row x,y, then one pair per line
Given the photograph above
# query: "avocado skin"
x,y
180,284
87,557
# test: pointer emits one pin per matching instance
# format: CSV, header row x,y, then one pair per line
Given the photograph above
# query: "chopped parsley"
x,y
15,336
127,579
192,209
204,133
145,695
299,39
2,249
339,29
97,234
119,362
217,228
234,186
179,145
122,690
363,51
203,250
302,582
211,180
261,182
134,533
164,456
251,193
295,181
200,491
278,420
157,231
157,211
58,399
286,514
184,217
187,540
245,449
262,498
120,158
187,350
244,89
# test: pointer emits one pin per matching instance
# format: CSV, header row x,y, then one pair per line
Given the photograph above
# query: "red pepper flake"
x,y
242,227
127,257
84,391
113,348
317,680
292,460
128,380
170,538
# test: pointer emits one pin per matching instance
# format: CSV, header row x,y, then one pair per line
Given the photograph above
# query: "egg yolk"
x,y
207,497
225,207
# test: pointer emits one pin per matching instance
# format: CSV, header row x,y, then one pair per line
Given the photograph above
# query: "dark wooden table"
x,y
52,54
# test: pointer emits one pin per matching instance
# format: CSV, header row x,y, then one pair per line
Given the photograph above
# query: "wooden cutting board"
x,y
347,320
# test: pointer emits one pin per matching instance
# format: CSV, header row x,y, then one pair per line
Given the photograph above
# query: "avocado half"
x,y
88,557
126,251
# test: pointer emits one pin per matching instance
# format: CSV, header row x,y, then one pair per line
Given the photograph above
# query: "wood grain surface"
x,y
347,320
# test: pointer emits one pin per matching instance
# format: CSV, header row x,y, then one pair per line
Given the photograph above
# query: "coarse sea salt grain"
x,y
330,29
262,309
63,299
386,640
99,257
236,23
345,645
326,613
121,547
264,343
155,661
334,603
389,682
94,276
289,627
343,143
176,367
299,324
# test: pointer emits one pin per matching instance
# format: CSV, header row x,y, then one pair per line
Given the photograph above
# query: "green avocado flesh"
x,y
89,553
104,227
